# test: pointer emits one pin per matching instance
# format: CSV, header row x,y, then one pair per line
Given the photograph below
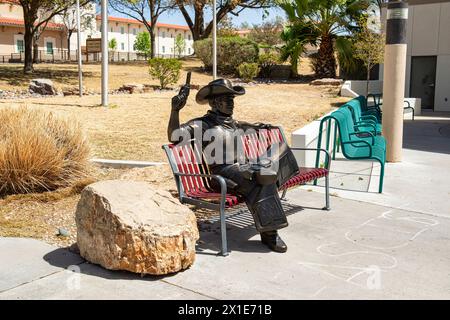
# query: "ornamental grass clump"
x,y
39,151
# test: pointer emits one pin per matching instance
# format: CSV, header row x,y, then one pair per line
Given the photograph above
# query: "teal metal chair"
x,y
354,146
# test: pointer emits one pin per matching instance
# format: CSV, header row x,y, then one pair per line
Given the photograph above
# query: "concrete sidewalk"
x,y
371,246
356,251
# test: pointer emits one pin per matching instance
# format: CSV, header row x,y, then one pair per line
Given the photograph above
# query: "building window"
x,y
164,35
163,49
189,50
20,46
112,29
134,31
122,30
171,35
122,46
49,46
189,37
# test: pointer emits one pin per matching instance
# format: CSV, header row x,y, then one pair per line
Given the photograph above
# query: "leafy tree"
x,y
139,9
225,28
69,18
142,43
193,12
112,44
369,48
36,15
180,44
267,33
331,21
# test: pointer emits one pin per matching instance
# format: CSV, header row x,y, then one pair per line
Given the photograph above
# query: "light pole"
x,y
214,40
394,78
80,74
104,53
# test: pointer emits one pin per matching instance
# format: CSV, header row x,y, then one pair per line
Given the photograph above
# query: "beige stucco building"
x,y
53,41
428,53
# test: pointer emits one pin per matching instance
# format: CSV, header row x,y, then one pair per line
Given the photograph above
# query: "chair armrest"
x,y
369,117
366,144
220,179
370,134
327,154
366,124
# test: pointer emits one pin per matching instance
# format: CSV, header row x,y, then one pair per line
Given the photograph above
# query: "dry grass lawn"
x,y
134,127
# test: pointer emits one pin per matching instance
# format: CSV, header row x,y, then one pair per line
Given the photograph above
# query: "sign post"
x,y
214,38
80,73
104,47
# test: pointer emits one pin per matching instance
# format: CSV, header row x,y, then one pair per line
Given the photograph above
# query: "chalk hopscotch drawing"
x,y
361,253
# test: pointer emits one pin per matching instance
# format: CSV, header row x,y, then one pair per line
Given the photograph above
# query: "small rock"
x,y
132,88
63,232
42,87
327,82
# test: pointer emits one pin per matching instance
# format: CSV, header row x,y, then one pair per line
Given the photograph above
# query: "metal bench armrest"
x,y
220,179
327,154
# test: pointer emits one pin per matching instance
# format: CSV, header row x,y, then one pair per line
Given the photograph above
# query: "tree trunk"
x,y
69,35
367,80
28,61
326,61
152,42
35,51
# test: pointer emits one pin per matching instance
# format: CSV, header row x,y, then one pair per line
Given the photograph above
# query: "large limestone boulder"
x,y
42,86
130,225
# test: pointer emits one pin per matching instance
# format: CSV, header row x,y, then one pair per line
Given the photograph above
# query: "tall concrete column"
x,y
394,78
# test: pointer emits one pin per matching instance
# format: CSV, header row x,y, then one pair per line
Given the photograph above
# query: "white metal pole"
x,y
104,53
214,37
80,74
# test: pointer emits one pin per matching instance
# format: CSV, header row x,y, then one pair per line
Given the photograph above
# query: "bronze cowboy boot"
x,y
273,241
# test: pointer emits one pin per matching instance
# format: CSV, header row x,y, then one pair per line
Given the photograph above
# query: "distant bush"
x,y
39,151
231,52
167,71
247,71
266,63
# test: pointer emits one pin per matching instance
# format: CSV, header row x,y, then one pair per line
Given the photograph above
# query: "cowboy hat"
x,y
217,87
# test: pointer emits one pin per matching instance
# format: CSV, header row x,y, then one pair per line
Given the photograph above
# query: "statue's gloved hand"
x,y
179,101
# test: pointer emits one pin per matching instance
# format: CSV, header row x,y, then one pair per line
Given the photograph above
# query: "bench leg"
x,y
327,193
283,195
380,186
223,233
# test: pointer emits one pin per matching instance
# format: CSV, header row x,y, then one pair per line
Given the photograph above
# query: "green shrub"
x,y
231,52
167,71
266,62
247,71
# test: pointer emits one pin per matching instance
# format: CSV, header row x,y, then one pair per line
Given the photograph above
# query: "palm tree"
x,y
296,36
331,21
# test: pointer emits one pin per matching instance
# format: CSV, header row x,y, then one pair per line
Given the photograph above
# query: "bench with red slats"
x,y
187,161
193,177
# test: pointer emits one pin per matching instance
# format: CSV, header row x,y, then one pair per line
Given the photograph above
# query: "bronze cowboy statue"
x,y
256,182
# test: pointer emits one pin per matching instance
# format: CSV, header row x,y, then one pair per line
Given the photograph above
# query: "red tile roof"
x,y
20,22
127,20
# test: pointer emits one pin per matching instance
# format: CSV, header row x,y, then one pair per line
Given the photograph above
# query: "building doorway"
x,y
423,80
